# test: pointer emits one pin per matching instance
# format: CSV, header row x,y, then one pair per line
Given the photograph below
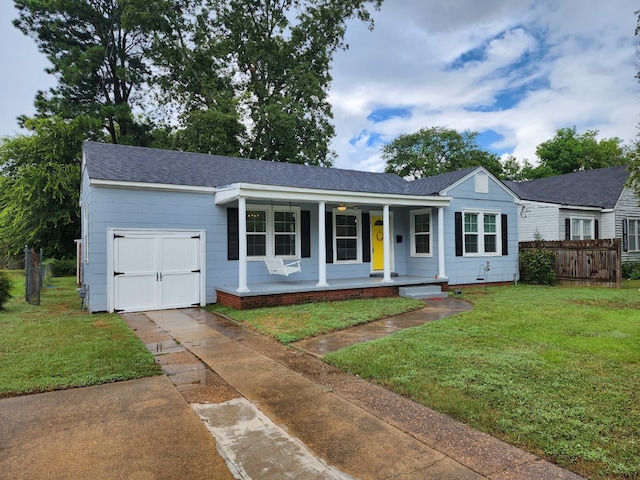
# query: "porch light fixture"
x,y
342,208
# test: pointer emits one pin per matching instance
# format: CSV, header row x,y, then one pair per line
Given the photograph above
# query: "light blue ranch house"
x,y
165,229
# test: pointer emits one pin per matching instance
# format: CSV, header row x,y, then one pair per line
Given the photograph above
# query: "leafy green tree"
x,y
435,150
279,53
570,152
191,79
634,167
97,50
40,185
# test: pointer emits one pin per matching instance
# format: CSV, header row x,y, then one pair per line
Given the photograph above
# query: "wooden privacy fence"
x,y
583,262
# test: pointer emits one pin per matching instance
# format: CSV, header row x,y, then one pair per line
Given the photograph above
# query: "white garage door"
x,y
153,271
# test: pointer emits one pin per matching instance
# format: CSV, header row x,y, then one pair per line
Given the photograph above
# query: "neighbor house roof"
x,y
589,188
122,163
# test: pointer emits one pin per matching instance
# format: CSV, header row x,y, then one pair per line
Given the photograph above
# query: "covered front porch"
x,y
291,293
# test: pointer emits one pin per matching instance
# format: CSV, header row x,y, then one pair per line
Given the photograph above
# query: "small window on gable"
x,y
482,183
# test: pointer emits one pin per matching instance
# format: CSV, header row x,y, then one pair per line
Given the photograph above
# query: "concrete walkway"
x,y
362,432
331,342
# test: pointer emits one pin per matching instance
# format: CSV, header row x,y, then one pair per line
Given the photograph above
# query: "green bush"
x,y
62,268
6,284
631,270
538,266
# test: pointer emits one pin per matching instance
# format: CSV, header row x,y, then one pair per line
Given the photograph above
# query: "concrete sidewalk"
x,y
362,435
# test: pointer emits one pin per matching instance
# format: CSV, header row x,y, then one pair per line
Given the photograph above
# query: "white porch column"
x,y
441,270
242,250
387,244
322,247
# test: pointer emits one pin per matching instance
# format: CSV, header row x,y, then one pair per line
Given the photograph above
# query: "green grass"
x,y
554,370
295,322
55,345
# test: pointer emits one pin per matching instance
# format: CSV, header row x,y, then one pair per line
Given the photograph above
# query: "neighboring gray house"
x,y
166,229
583,205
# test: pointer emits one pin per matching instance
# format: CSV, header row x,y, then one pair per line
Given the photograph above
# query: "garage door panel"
x,y
180,254
135,292
180,290
135,255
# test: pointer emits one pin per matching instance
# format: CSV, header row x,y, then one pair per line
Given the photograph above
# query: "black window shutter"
x,y
328,234
625,235
366,237
458,229
233,239
305,235
596,229
505,234
567,229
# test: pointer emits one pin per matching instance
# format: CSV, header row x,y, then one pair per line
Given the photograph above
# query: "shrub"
x,y
631,270
6,284
62,268
538,266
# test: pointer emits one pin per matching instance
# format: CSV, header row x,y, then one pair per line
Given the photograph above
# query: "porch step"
x,y
423,292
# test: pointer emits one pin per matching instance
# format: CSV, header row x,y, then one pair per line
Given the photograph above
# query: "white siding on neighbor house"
x,y
541,218
627,208
608,225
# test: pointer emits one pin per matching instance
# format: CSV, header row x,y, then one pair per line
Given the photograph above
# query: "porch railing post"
x,y
242,250
441,267
387,244
322,247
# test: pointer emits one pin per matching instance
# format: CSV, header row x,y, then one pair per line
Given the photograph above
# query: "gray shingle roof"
x,y
434,185
137,164
589,188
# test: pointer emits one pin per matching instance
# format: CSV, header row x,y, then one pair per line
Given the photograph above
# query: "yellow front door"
x,y
377,242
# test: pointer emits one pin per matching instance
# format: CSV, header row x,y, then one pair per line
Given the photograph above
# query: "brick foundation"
x,y
273,300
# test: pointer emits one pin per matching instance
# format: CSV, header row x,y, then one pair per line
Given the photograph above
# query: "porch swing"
x,y
277,266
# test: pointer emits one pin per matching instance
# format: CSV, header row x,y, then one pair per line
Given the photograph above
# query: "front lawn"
x,y
55,345
555,370
295,322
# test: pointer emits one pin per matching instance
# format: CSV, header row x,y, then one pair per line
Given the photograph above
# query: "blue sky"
x,y
513,71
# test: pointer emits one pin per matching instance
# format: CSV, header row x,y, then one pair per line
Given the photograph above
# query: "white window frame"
x,y
481,234
582,220
414,213
271,233
358,237
636,235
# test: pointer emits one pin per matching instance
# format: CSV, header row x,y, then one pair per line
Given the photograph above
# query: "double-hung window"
x,y
421,233
347,246
273,231
634,235
582,229
481,231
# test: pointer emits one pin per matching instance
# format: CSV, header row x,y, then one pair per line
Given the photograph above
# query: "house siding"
x,y
463,270
627,208
148,210
537,218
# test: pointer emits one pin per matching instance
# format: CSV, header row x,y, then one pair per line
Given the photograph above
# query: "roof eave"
x,y
249,191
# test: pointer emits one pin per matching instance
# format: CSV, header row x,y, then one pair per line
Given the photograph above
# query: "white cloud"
x,y
566,63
